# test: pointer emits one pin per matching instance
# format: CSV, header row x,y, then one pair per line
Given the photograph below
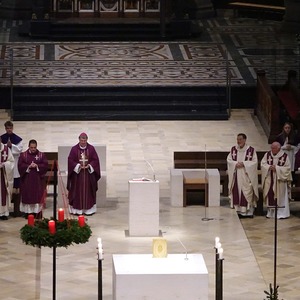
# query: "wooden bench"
x,y
218,159
207,160
194,184
256,7
51,157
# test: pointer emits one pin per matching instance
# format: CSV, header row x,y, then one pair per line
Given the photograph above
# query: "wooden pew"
x,y
51,156
267,107
256,7
207,160
218,160
289,97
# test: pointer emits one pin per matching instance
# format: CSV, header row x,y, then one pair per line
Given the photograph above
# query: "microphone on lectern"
x,y
186,252
151,169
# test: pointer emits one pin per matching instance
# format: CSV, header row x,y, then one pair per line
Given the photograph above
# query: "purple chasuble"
x,y
83,186
32,183
237,200
3,158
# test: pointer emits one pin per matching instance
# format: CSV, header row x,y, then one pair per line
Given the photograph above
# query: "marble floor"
x,y
227,47
26,272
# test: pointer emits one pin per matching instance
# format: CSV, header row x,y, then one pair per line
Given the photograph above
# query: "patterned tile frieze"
x,y
113,52
24,51
118,64
115,75
203,51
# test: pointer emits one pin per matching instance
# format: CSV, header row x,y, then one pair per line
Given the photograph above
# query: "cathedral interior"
x,y
186,81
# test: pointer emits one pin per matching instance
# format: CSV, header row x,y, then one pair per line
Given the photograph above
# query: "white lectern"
x,y
140,276
143,208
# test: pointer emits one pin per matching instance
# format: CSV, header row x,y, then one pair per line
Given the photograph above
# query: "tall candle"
x,y
61,215
51,225
100,251
100,248
220,251
31,220
81,221
217,240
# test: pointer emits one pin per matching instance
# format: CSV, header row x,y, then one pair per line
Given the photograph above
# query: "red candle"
x,y
31,220
81,221
51,225
61,215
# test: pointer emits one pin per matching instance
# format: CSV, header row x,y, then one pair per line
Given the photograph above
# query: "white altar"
x,y
140,276
143,208
63,153
212,176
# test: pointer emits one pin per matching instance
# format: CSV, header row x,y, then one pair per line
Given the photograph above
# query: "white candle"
x,y
219,245
100,251
217,240
220,251
100,248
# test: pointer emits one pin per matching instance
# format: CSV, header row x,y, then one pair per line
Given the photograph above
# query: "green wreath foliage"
x,y
67,233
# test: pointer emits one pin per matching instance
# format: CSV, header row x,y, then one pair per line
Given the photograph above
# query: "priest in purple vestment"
x,y
33,165
83,175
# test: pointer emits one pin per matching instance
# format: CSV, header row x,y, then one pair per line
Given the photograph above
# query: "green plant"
x,y
67,233
272,294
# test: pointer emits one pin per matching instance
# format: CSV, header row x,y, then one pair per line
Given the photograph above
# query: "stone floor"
x,y
248,244
26,272
228,48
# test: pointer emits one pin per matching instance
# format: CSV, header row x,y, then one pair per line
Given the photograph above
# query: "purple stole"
x,y
281,163
235,191
249,153
37,157
3,158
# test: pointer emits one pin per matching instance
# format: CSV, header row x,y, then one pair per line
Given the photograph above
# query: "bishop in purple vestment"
x,y
33,166
83,175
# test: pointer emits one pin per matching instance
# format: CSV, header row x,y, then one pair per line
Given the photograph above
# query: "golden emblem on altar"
x,y
159,248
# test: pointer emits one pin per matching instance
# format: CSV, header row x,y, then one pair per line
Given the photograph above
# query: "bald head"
x,y
275,148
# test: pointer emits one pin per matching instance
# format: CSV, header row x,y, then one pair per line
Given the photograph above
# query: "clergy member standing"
x,y
14,143
33,165
243,181
83,175
276,181
6,179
